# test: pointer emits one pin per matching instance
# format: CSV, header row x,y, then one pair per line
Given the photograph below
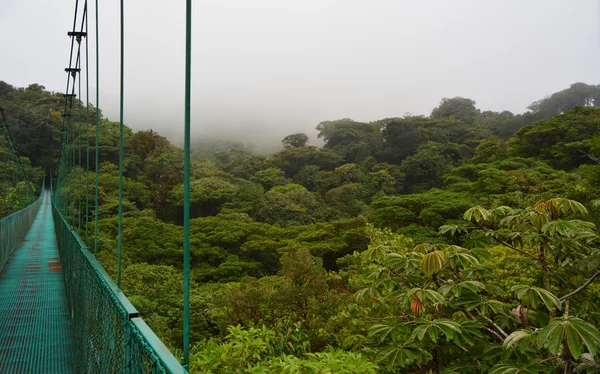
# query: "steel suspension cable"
x,y
97,134
120,228
68,175
87,128
80,134
186,186
65,130
13,150
79,174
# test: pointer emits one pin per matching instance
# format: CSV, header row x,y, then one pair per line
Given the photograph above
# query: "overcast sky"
x,y
272,67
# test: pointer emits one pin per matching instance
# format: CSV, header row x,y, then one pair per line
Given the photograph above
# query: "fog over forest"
x,y
267,68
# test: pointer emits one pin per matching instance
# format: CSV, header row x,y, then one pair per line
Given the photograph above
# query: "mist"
x,y
266,68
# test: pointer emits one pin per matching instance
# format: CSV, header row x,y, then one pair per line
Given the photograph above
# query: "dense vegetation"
x,y
461,242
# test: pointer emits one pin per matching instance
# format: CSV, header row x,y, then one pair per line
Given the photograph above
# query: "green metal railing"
x,y
109,334
14,227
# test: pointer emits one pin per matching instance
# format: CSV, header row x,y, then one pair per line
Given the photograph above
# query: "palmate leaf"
x,y
428,295
382,330
452,230
565,228
532,367
588,333
461,256
494,305
375,253
531,296
576,332
516,337
538,219
478,212
561,206
432,262
395,260
482,254
474,286
513,219
365,292
446,326
501,211
423,248
400,354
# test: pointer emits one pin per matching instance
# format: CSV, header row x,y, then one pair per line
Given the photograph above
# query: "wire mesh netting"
x,y
13,228
109,335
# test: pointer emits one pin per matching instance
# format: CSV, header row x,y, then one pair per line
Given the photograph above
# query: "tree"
x,y
441,307
489,150
425,169
502,124
207,195
270,178
354,141
578,94
293,160
460,108
564,140
291,204
148,143
295,141
403,136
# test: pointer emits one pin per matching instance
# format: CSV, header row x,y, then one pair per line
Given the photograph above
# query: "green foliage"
x,y
562,140
413,244
354,141
457,107
295,141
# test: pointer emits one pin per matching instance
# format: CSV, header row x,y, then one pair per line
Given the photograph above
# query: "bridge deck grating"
x,y
35,329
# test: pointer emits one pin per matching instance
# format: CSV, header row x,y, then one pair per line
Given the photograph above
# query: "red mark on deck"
x,y
54,267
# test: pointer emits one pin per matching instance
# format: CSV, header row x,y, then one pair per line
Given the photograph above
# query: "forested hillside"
x,y
460,242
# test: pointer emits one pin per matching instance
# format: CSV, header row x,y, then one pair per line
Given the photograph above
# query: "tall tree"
x,y
295,141
457,107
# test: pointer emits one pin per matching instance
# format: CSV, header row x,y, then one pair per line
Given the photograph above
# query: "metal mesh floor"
x,y
35,331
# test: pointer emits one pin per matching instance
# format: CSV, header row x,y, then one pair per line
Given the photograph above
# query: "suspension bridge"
x,y
60,312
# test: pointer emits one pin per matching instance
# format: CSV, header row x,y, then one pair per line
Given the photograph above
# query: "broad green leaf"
x,y
548,298
531,296
420,331
478,212
588,333
515,338
432,296
423,248
381,330
573,342
474,286
531,367
433,335
448,327
432,262
551,337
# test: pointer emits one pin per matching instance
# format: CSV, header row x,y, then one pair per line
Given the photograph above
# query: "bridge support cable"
x,y
120,224
12,149
87,135
19,201
69,187
186,186
97,122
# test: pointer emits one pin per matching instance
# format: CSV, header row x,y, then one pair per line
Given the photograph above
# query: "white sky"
x,y
267,68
